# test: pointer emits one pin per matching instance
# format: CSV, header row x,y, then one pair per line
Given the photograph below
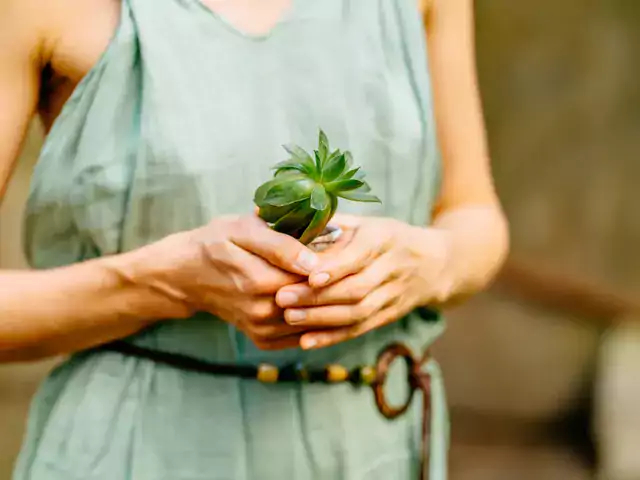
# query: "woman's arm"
x,y
20,57
231,268
59,311
468,207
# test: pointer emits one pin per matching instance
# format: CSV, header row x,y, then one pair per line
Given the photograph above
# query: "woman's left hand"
x,y
380,270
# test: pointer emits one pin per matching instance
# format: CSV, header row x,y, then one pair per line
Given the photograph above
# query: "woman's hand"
x,y
233,268
381,270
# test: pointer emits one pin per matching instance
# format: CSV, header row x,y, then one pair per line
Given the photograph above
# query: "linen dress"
x,y
178,122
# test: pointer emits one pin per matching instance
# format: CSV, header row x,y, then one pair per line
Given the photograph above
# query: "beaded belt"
x,y
373,376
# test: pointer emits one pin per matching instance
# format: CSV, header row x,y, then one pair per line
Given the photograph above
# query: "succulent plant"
x,y
302,196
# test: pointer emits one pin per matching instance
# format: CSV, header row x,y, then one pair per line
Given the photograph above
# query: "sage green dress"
x,y
179,121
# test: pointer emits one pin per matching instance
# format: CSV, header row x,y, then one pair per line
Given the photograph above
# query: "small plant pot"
x,y
327,238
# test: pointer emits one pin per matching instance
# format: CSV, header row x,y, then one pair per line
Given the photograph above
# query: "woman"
x,y
162,119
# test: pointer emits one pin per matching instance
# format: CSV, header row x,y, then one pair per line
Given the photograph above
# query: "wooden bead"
x,y
268,373
368,375
337,373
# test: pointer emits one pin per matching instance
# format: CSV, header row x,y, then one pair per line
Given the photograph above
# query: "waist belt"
x,y
373,376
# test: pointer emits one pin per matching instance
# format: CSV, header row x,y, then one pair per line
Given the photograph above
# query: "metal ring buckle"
x,y
417,379
384,362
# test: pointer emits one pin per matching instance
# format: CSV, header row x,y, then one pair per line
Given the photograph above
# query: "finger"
x,y
281,250
352,258
326,338
252,275
260,311
274,335
350,290
343,315
274,330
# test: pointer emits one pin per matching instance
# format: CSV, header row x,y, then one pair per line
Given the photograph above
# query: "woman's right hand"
x,y
232,268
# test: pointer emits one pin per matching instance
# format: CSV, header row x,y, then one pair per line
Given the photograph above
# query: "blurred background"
x,y
543,371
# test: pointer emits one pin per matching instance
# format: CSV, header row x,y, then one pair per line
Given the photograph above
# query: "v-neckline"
x,y
286,15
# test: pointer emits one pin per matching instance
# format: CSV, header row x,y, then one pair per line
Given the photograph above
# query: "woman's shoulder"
x,y
80,31
62,38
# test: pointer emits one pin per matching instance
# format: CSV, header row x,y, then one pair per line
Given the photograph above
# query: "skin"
x,y
236,267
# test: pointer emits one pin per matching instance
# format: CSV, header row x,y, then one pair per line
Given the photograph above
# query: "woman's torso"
x,y
177,122
183,115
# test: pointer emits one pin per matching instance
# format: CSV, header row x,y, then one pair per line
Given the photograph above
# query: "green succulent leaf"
x,y
262,191
323,145
319,198
334,167
298,153
359,175
330,157
287,172
302,196
334,206
318,161
349,158
307,168
317,225
364,188
289,190
271,214
350,174
344,185
296,221
358,196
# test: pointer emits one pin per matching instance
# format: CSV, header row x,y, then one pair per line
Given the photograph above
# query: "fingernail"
x,y
287,298
306,261
307,343
321,279
295,316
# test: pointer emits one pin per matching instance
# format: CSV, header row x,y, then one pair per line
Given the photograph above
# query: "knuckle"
x,y
260,312
442,294
246,316
249,286
262,281
259,335
359,291
316,298
235,225
362,310
260,338
265,285
243,226
267,280
394,312
350,333
279,254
